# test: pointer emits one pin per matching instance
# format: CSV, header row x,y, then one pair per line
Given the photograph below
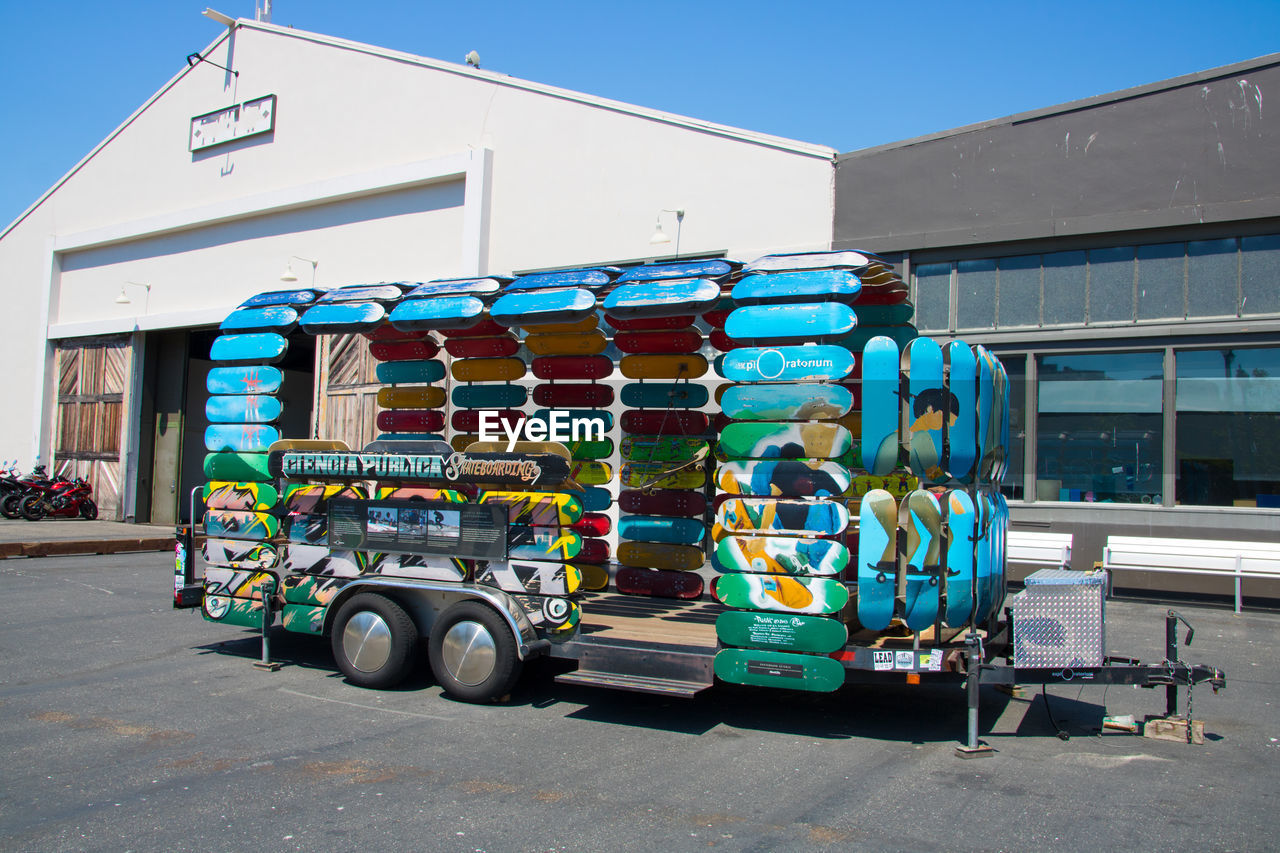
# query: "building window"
x,y
933,297
1110,285
1227,425
1259,272
1099,427
976,294
1015,364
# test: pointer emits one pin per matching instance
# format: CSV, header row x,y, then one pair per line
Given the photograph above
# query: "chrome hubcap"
x,y
469,653
366,641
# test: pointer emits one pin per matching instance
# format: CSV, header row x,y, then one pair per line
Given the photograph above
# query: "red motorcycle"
x,y
60,499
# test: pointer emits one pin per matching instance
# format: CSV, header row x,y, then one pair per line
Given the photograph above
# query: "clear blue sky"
x,y
845,74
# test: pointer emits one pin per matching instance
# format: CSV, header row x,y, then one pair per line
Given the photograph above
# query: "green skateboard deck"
x,y
921,559
773,440
238,467
781,593
782,555
220,494
877,559
780,632
779,669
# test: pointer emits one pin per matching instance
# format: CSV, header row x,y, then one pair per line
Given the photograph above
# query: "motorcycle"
x,y
60,499
13,488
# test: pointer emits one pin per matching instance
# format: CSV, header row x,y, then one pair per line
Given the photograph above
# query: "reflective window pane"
x,y
1260,274
1016,366
1161,274
976,305
1111,285
1020,291
1099,427
933,288
1064,288
1212,271
1228,427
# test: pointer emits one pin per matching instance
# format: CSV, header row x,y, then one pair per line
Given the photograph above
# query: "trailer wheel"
x,y
473,653
374,641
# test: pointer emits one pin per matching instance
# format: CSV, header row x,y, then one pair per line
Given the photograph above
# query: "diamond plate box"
x,y
1059,620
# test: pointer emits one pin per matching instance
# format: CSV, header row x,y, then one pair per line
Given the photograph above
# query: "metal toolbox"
x,y
1059,620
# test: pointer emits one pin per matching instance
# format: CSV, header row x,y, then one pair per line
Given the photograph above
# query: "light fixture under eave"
x,y
123,298
290,276
659,236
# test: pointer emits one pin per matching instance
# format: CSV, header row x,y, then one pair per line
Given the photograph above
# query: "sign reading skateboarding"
x,y
522,469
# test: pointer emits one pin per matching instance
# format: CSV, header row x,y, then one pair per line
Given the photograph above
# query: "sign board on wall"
x,y
234,122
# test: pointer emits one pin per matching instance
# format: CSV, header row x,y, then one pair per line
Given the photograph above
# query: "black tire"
x,y
31,508
88,510
379,651
9,506
473,653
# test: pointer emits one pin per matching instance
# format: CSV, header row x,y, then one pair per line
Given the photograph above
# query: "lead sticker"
x,y
882,660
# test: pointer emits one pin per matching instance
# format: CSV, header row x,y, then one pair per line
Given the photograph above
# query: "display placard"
x,y
437,528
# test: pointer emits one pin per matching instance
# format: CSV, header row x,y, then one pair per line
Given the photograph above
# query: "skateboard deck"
x,y
586,324
541,509
761,324
573,394
881,412
703,268
669,501
885,315
555,448
781,555
718,339
781,593
238,554
242,409
457,287
999,557
485,328
664,395
983,553
572,367
658,583
793,478
240,438
667,298
592,449
487,369
468,420
962,436
341,317
259,348
673,341
280,297
280,319
387,333
595,499
797,286
667,448
414,350
425,493
307,529
221,494
663,366
542,543
573,343
921,558
959,520
237,467
410,436
877,559
788,670
594,550
773,440
659,475
410,398
399,372
1001,418
379,293
927,408
557,305
592,524
314,497
591,473
664,422
786,364
489,396
844,259
770,516
661,555
240,524
986,408
658,528
778,632
650,324
857,340
243,380
594,578
411,420
320,560
778,402
499,346
592,278
441,312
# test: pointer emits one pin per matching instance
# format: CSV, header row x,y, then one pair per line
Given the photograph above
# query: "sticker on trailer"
x,y
904,660
935,661
882,660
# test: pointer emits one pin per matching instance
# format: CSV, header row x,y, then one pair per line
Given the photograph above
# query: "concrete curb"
x,y
84,546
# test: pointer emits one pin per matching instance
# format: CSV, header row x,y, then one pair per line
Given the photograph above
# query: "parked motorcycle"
x,y
60,499
13,488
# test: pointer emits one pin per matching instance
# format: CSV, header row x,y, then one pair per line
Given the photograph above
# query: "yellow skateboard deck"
x,y
586,324
590,343
411,398
488,369
307,444
663,366
659,555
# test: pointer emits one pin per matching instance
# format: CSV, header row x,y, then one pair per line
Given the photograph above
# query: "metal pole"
x,y
267,589
1170,657
1239,560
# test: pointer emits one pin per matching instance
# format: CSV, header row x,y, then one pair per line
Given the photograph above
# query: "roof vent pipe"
x,y
262,11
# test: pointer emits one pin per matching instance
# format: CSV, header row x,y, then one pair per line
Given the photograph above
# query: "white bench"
x,y
1039,549
1222,557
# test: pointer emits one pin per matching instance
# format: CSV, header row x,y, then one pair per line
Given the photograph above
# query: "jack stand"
x,y
973,748
1179,728
267,590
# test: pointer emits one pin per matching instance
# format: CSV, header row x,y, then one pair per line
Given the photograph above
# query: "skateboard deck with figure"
x,y
920,563
881,412
782,555
774,517
774,440
959,520
925,408
794,478
780,593
962,441
877,559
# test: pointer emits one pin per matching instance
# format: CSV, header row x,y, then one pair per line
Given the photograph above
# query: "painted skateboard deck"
x,y
820,322
378,293
530,578
793,478
425,493
772,440
591,278
986,408
593,449
657,528
399,372
307,529
658,583
926,409
706,268
221,494
777,402
781,555
663,366
280,297
560,305
249,379
959,521
881,412
667,448
661,555
797,286
765,668
591,473
498,346
572,367
416,566
585,343
552,615
844,259
573,394
320,560
659,475
239,467
411,420
668,501
877,559
469,420
240,438
650,324
238,524
664,395
542,509
280,319
242,409
315,497
457,287
674,341
671,297
664,422
921,559
238,554
770,516
787,364
410,398
337,317
962,435
779,632
781,593
487,369
441,312
489,396
983,556
542,543
260,348
408,351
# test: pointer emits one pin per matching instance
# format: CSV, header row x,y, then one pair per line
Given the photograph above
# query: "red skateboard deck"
x,y
468,420
499,346
717,317
670,341
592,524
663,501
722,341
663,422
572,367
404,350
658,583
388,333
573,395
593,551
486,328
649,324
411,420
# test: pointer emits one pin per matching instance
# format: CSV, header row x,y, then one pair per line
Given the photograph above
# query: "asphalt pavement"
x,y
126,725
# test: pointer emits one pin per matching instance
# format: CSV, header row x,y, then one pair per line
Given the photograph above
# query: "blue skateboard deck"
x,y
986,408
338,317
816,322
793,478
706,268
240,438
662,395
771,516
668,298
999,556
592,278
280,297
242,409
458,287
960,520
441,312
243,380
982,556
381,293
1002,386
787,364
881,413
260,348
962,437
563,305
783,555
877,559
921,558
926,408
595,499
400,372
770,402
280,319
784,440
656,528
489,396
799,286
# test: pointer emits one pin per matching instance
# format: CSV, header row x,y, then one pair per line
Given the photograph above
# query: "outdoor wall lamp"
x,y
659,236
290,275
123,298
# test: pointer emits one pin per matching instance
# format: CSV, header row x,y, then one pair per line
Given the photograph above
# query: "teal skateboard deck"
x,y
595,499
260,348
927,409
770,516
399,372
921,559
877,559
960,519
666,448
885,315
662,395
702,268
280,297
242,409
771,440
561,305
881,413
982,556
244,380
792,478
591,278
779,402
787,670
280,319
817,322
542,543
780,632
240,438
237,467
962,437
781,593
786,364
986,407
235,524
339,317
667,298
458,287
999,557
782,555
237,554
441,312
489,396
798,286
410,350
530,578
221,494
657,528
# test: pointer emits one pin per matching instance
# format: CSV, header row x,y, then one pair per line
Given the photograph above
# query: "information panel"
x,y
439,528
